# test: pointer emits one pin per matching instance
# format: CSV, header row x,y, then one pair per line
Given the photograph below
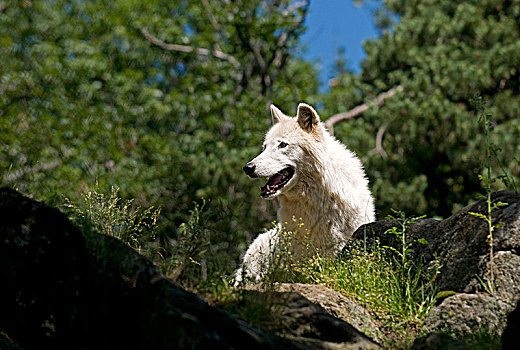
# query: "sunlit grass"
x,y
392,283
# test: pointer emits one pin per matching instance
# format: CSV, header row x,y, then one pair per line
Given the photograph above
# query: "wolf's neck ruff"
x,y
329,198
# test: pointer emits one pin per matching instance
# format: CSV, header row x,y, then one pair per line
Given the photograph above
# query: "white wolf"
x,y
316,179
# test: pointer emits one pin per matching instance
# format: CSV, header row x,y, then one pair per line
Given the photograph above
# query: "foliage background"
x,y
86,98
443,53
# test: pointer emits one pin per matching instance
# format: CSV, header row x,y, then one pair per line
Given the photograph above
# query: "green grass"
x,y
391,282
398,299
107,213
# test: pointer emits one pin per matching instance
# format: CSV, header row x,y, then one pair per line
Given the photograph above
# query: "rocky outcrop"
x,y
315,315
66,289
460,244
337,305
63,289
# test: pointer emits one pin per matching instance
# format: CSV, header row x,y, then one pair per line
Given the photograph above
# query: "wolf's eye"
x,y
282,145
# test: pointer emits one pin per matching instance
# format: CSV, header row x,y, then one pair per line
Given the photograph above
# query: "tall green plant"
x,y
406,242
189,248
409,277
487,122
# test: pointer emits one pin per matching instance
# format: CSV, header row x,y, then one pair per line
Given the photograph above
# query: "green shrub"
x,y
109,214
196,250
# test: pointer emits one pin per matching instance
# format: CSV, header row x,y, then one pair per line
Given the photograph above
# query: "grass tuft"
x,y
110,215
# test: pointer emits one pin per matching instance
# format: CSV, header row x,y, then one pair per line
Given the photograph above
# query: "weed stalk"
x,y
486,120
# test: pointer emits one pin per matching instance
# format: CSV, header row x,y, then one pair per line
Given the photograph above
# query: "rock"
x,y
439,341
462,314
512,331
335,304
462,247
423,228
63,290
289,312
67,289
460,244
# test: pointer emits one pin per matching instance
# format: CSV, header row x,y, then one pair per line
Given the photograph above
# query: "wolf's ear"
x,y
276,114
307,117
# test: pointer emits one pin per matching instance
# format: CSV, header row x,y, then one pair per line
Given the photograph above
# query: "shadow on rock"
x,y
62,290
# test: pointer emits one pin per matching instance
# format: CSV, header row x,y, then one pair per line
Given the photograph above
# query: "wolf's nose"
x,y
249,169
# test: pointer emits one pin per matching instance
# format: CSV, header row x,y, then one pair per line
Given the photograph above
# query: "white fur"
x,y
328,192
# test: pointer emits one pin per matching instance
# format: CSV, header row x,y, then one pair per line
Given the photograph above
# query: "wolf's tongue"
x,y
271,183
273,180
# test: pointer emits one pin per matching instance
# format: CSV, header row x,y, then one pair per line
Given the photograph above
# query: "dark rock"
x,y
335,303
511,335
439,341
462,314
292,315
460,244
422,228
63,290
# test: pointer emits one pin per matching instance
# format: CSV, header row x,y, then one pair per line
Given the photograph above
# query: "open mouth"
x,y
276,182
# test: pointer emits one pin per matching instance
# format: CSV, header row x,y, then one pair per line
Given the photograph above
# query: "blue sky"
x,y
337,23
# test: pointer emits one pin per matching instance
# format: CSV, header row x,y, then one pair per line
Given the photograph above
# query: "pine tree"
x,y
429,152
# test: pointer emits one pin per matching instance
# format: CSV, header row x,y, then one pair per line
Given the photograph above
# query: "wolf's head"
x,y
288,149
